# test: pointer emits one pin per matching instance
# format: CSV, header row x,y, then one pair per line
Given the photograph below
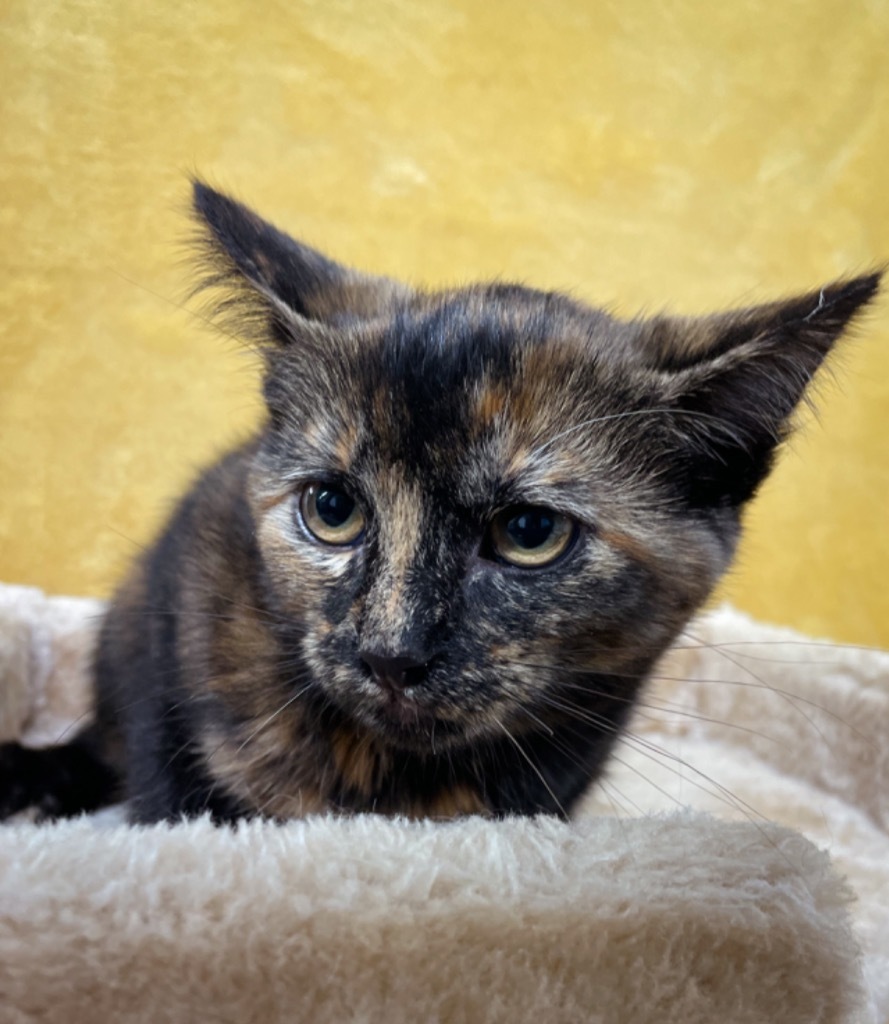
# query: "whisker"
x,y
607,784
758,683
786,696
534,768
654,753
213,324
654,411
667,708
267,721
830,645
646,746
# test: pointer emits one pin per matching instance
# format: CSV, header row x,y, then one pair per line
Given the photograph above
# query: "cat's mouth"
x,y
402,720
403,710
423,717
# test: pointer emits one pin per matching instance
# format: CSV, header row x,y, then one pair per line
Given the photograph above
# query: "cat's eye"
x,y
330,514
530,536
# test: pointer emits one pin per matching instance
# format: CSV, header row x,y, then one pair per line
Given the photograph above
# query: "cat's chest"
x,y
297,767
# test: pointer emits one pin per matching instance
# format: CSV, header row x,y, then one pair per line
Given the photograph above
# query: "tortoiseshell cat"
x,y
435,581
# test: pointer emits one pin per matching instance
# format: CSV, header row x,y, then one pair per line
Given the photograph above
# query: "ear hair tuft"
x,y
271,287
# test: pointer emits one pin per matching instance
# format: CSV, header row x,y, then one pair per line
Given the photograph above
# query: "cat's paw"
x,y
55,782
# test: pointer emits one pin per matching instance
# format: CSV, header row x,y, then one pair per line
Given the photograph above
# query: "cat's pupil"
x,y
531,528
334,507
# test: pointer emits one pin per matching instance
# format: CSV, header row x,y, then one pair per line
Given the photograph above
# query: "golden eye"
x,y
529,536
330,515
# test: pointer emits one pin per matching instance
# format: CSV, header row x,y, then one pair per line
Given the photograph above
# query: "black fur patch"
x,y
55,782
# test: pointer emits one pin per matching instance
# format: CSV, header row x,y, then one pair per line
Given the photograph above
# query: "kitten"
x,y
435,581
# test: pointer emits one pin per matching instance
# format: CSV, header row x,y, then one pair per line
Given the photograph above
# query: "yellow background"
x,y
687,155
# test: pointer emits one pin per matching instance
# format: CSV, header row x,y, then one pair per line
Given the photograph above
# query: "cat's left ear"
x,y
274,288
733,381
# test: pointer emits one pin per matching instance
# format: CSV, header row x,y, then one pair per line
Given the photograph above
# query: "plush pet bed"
x,y
639,911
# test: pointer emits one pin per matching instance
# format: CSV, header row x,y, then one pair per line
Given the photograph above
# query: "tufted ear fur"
x,y
733,382
273,288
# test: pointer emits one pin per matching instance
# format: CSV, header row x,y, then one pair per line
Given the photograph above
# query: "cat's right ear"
x,y
273,289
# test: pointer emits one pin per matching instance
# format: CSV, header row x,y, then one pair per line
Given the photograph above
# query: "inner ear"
x,y
267,275
733,382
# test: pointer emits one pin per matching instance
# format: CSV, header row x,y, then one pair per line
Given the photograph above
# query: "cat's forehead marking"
x,y
514,397
399,508
490,402
330,440
533,453
518,463
384,415
315,434
345,444
562,470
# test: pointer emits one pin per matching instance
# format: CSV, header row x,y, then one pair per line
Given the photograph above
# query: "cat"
x,y
435,581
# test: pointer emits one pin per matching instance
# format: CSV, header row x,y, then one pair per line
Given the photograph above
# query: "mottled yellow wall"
x,y
686,154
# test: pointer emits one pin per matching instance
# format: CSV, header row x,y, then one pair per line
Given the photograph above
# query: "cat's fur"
x,y
238,671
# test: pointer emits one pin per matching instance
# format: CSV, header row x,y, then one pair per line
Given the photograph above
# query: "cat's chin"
x,y
410,726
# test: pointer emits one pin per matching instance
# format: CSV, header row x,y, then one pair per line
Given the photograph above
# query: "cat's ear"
x,y
274,288
733,381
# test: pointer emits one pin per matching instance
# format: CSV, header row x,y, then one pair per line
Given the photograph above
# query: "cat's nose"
x,y
394,672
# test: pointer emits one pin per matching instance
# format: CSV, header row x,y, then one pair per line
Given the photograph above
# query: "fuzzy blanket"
x,y
622,916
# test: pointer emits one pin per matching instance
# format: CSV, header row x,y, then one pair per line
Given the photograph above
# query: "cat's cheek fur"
x,y
317,586
272,771
311,584
298,566
619,604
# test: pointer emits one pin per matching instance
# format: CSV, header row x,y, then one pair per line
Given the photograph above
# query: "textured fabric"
x,y
682,920
686,155
624,915
753,722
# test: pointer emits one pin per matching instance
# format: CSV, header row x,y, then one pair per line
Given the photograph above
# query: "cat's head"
x,y
483,507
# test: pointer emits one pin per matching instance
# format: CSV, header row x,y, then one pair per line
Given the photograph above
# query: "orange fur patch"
x,y
358,761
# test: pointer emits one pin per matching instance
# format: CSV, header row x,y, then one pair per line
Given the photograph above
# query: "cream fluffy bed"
x,y
639,911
